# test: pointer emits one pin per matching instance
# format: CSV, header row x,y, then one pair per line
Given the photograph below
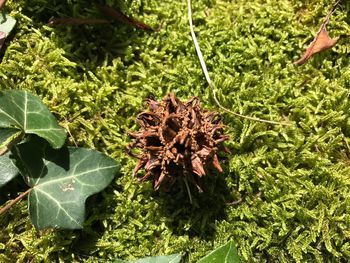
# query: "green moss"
x,y
293,180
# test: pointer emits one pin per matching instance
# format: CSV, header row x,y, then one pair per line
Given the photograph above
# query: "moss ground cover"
x,y
292,181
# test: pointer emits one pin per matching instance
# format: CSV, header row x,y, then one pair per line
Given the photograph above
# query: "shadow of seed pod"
x,y
178,142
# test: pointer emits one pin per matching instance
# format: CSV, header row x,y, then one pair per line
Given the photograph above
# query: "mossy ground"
x,y
294,181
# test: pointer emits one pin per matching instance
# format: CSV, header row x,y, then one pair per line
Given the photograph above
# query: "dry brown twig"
x,y
110,12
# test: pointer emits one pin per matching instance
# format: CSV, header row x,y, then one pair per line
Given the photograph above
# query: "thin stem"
x,y
77,21
188,190
244,116
14,201
206,74
332,11
66,124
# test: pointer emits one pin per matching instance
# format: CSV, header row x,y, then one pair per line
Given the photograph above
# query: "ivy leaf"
x,y
61,181
24,111
174,258
8,170
224,254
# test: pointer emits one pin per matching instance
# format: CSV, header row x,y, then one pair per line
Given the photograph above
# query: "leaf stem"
x,y
210,83
14,201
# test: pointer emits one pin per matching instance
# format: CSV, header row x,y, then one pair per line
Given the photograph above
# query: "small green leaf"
x,y
22,110
8,170
7,23
224,254
61,181
174,258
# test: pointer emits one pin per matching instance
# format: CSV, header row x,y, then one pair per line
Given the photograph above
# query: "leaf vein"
x,y
59,205
75,176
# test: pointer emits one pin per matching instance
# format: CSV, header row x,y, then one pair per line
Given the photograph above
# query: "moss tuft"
x,y
293,182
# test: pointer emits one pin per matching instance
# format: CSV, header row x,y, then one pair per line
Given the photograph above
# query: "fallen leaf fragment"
x,y
7,24
2,3
322,41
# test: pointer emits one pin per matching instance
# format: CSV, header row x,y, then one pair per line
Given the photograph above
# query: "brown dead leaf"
x,y
321,42
2,3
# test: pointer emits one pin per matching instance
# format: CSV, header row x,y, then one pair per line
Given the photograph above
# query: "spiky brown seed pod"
x,y
177,141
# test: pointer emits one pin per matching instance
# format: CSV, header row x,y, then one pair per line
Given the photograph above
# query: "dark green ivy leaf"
x,y
224,254
174,258
24,111
61,181
8,170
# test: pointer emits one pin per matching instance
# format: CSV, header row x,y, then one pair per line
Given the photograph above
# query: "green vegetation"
x,y
292,181
60,178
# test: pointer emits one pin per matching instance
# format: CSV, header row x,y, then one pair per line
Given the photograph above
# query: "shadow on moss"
x,y
88,45
198,219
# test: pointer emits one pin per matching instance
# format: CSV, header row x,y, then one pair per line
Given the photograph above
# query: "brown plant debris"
x,y
111,13
178,141
121,17
77,21
2,3
322,41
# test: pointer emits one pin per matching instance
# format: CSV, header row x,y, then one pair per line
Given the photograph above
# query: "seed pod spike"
x,y
216,164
